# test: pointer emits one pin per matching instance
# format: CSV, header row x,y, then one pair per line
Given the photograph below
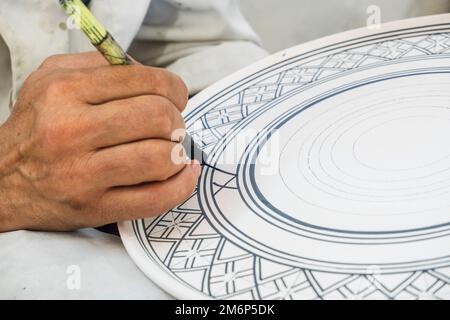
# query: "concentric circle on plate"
x,y
362,175
328,176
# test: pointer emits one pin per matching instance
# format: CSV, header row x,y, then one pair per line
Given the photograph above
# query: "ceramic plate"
x,y
328,176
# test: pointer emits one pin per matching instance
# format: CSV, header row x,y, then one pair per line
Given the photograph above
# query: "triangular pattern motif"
x,y
196,254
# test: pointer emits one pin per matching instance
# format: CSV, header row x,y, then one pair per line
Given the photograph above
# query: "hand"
x,y
89,144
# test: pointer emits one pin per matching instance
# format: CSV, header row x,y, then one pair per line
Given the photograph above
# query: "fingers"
x,y
88,78
138,162
91,59
104,84
135,202
133,119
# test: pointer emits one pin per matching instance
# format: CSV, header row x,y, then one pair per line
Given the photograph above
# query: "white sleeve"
x,y
5,81
201,40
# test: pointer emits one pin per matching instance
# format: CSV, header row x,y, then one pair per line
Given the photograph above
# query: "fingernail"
x,y
195,165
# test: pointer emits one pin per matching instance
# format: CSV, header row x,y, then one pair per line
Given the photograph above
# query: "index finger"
x,y
91,59
104,84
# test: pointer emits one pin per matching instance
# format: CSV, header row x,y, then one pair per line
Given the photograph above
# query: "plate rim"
x,y
151,268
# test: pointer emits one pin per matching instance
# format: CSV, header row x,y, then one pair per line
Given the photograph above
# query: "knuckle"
x,y
183,90
77,201
162,164
146,74
158,76
168,83
50,61
163,118
61,84
175,87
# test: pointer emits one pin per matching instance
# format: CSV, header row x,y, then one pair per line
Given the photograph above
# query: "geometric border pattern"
x,y
185,244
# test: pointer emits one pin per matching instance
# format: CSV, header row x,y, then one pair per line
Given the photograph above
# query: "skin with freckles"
x,y
89,144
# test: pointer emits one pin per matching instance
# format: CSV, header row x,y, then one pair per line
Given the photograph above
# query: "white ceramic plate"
x,y
328,175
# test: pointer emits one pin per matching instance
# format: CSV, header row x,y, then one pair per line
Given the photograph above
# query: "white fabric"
x,y
42,265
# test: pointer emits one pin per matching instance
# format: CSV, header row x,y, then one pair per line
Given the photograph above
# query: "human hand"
x,y
89,144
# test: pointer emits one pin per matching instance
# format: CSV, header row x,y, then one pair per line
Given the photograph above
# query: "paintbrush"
x,y
111,50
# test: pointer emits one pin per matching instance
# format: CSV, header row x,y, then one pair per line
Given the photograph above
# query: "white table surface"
x,y
39,265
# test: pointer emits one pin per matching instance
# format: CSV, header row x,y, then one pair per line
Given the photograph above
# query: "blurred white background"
x,y
285,23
